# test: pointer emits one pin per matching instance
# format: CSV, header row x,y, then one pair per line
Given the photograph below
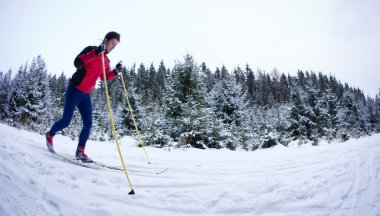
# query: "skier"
x,y
89,69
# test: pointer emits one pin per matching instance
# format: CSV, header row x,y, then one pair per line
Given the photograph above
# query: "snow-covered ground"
x,y
331,179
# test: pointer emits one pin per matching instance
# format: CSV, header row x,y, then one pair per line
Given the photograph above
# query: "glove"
x,y
100,48
119,68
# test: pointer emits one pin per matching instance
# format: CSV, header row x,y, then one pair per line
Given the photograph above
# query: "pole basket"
x,y
132,192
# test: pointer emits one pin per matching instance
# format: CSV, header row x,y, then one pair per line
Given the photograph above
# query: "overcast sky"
x,y
338,37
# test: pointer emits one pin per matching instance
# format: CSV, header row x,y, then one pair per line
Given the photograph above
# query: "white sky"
x,y
338,37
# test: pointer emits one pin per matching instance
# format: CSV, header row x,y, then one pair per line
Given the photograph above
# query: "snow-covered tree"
x,y
185,103
227,100
154,126
347,115
16,98
191,106
5,84
57,88
209,77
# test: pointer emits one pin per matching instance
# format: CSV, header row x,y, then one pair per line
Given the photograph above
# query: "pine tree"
x,y
142,82
227,100
153,86
154,126
210,78
57,88
217,75
173,110
185,101
160,79
264,95
376,115
251,85
299,121
196,120
101,129
239,76
325,111
283,90
224,73
347,116
38,106
16,98
5,84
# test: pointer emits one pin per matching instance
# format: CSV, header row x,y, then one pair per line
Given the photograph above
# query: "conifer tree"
x,y
347,116
376,115
36,112
185,102
209,77
57,88
5,84
226,99
142,82
16,98
160,80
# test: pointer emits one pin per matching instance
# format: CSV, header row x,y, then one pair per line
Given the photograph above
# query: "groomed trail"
x,y
330,179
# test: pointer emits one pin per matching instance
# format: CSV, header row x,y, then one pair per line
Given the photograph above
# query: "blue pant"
x,y
75,98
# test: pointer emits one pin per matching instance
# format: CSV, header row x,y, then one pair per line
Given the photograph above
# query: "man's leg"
x,y
71,100
85,109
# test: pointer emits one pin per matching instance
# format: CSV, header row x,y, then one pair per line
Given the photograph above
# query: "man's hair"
x,y
112,35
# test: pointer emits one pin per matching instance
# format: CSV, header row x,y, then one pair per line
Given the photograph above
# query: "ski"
x,y
92,165
108,166
73,160
97,165
162,171
132,171
149,172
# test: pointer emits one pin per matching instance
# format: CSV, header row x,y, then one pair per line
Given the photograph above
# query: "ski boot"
x,y
49,142
80,155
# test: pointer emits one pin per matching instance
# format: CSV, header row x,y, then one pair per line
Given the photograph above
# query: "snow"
x,y
330,179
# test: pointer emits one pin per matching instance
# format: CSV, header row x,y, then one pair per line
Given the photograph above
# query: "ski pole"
x,y
113,126
133,118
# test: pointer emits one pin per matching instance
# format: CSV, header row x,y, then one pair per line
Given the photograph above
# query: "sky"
x,y
337,37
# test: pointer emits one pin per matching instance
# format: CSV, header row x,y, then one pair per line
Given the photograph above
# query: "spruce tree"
x,y
160,80
347,116
57,88
185,100
226,99
142,82
17,98
209,77
5,84
30,97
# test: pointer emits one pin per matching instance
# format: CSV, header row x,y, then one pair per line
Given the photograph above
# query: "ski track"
x,y
331,179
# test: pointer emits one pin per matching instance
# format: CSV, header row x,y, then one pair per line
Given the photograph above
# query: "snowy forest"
x,y
190,105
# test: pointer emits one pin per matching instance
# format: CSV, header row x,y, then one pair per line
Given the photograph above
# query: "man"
x,y
89,70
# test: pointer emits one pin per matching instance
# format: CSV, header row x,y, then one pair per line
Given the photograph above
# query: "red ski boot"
x,y
49,142
80,155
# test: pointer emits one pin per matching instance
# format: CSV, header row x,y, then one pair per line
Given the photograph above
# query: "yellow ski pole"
x,y
113,126
133,118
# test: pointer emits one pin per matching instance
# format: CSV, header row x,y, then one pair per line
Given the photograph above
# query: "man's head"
x,y
111,40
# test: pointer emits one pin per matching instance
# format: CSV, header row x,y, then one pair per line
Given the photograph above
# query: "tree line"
x,y
190,105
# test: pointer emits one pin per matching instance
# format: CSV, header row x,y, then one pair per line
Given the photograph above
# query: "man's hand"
x,y
119,68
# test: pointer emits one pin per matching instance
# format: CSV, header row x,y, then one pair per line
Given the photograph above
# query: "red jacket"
x,y
89,69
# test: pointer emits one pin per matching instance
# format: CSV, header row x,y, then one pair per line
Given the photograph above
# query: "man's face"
x,y
111,44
